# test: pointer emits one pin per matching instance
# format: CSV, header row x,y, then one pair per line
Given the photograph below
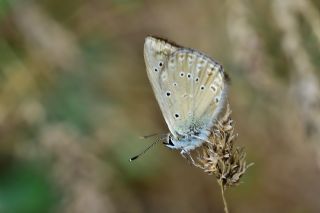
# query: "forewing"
x,y
156,54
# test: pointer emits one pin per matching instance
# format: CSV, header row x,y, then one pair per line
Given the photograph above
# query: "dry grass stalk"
x,y
255,64
305,85
81,177
220,157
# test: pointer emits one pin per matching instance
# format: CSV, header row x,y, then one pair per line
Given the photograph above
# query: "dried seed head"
x,y
220,157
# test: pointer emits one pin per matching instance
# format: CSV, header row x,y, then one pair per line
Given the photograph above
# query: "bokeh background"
x,y
74,99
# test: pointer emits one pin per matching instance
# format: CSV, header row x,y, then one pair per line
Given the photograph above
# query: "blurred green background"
x,y
74,99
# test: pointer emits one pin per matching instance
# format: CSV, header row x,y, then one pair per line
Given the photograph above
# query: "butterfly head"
x,y
186,142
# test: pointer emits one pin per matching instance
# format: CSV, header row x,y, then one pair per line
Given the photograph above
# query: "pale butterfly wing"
x,y
190,87
198,88
156,54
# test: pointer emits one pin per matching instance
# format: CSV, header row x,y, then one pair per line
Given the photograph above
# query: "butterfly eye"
x,y
170,141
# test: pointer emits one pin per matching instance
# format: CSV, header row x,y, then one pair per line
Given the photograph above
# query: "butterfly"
x,y
191,90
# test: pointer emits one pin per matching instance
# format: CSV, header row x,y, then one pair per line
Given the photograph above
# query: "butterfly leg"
x,y
188,156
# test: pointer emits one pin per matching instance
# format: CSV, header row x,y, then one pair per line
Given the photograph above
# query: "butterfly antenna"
x,y
144,151
149,136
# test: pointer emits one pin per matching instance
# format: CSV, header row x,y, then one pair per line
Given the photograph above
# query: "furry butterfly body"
x,y
190,88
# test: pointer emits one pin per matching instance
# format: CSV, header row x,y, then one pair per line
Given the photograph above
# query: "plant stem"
x,y
226,210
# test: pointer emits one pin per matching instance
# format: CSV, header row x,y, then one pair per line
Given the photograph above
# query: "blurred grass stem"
x,y
225,204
